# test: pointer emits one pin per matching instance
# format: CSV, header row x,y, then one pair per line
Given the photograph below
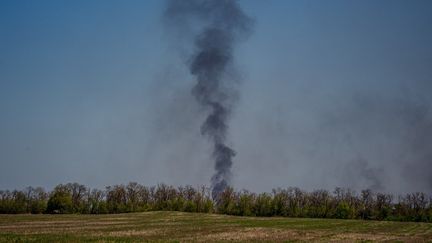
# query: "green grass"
x,y
180,227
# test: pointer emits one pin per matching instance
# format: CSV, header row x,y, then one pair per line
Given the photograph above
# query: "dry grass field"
x,y
186,227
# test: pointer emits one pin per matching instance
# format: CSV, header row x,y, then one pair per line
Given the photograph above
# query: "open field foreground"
x,y
176,226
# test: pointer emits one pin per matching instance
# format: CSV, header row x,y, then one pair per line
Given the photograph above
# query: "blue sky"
x,y
332,93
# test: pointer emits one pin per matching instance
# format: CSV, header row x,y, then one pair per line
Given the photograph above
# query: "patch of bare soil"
x,y
256,233
30,223
350,237
129,233
279,235
61,223
49,227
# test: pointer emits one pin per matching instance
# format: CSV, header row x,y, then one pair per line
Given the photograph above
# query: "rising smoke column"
x,y
221,24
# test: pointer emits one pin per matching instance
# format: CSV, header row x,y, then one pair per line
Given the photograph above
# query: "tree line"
x,y
290,202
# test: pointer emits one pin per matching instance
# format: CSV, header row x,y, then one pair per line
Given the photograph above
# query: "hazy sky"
x,y
331,93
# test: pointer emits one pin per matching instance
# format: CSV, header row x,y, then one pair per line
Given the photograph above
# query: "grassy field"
x,y
176,226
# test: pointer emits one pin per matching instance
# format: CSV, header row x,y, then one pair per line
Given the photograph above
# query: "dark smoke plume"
x,y
221,24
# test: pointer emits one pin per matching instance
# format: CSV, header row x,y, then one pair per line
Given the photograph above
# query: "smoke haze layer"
x,y
222,24
335,94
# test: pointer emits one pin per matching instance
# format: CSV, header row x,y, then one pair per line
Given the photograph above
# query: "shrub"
x,y
60,202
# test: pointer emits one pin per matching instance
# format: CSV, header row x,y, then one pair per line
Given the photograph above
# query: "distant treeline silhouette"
x,y
290,202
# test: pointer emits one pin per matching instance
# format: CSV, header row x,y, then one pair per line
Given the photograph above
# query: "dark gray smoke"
x,y
218,25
